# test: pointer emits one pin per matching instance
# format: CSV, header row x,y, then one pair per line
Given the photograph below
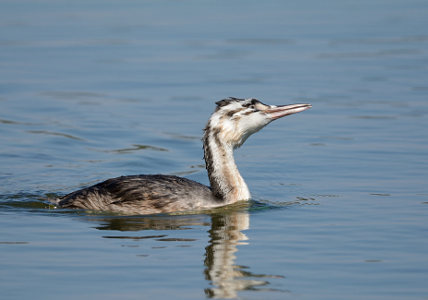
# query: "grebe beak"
x,y
276,112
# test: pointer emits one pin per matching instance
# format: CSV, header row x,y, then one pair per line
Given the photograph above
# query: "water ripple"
x,y
136,147
66,135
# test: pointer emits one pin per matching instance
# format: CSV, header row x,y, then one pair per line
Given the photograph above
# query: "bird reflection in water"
x,y
226,234
226,277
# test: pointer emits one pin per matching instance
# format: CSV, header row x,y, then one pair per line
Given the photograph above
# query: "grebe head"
x,y
234,120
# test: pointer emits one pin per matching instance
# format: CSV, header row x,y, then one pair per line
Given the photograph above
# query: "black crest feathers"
x,y
226,101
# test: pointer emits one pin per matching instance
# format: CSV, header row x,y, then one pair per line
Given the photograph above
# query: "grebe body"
x,y
232,122
143,194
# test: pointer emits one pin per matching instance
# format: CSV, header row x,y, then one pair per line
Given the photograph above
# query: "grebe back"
x,y
232,122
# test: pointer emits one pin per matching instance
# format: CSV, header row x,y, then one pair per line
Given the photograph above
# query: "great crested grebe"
x,y
232,122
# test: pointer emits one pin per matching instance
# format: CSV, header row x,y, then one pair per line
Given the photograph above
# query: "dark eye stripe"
x,y
251,103
232,112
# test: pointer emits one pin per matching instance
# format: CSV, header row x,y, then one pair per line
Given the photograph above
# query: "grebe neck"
x,y
226,182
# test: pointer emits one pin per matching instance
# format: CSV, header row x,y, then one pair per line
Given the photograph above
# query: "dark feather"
x,y
156,193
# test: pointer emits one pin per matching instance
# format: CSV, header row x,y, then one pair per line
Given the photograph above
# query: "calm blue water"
x,y
95,89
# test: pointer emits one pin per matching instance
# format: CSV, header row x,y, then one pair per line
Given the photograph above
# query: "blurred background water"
x,y
95,89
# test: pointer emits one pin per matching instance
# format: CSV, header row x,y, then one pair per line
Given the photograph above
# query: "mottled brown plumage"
x,y
141,194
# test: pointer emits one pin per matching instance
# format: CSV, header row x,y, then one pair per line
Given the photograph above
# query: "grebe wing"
x,y
140,194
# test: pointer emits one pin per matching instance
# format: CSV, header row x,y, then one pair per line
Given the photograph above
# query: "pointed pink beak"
x,y
276,112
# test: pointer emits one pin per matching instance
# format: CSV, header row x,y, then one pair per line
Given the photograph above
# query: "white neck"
x,y
226,182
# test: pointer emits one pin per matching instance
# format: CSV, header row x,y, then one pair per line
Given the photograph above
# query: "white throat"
x,y
226,182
